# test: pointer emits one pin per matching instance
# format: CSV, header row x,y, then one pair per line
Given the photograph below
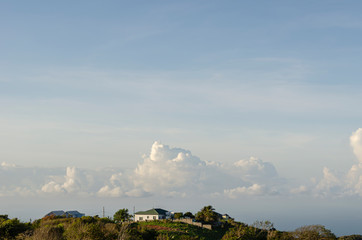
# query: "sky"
x,y
250,106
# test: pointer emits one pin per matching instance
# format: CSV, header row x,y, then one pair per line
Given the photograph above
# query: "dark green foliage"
x,y
351,237
189,215
85,228
178,230
148,234
207,215
121,215
95,228
178,215
10,228
4,217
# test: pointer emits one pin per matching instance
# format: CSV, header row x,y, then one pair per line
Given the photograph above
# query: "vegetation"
x,y
10,228
178,215
96,228
207,215
189,215
313,232
122,215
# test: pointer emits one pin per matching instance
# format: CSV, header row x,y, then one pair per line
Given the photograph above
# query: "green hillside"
x,y
95,228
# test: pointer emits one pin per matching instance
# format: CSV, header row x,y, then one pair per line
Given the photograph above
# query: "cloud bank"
x,y
165,171
176,172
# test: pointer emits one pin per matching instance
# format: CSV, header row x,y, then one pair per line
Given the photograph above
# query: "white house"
x,y
152,214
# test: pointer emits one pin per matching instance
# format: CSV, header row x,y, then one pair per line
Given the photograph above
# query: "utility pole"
x,y
134,213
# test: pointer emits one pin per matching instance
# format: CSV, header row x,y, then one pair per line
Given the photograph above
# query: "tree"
x,y
121,215
243,232
178,215
313,232
351,237
264,225
10,228
189,215
207,215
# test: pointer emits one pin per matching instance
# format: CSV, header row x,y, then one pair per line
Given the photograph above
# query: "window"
x,y
154,217
148,217
141,218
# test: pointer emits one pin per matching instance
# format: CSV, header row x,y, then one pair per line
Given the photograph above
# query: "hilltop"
x,y
95,228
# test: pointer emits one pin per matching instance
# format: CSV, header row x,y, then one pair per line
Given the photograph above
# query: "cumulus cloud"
x,y
168,169
356,143
115,187
72,182
165,171
176,172
302,189
108,191
349,183
255,189
254,169
330,183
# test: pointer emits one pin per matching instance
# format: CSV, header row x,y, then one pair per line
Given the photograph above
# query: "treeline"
x,y
119,228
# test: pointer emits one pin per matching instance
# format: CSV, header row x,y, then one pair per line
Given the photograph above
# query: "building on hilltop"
x,y
58,213
152,214
74,214
68,214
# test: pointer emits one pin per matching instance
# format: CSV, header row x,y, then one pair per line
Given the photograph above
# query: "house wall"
x,y
146,217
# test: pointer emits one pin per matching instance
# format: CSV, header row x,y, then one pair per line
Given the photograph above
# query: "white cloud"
x,y
108,191
302,189
254,189
330,183
356,143
349,183
137,193
70,184
115,186
176,172
354,176
75,181
254,169
167,169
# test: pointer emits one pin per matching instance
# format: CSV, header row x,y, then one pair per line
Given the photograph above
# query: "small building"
x,y
68,214
152,214
58,213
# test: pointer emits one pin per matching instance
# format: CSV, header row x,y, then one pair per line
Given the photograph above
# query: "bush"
x,y
10,228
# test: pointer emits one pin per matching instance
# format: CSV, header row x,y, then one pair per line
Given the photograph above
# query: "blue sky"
x,y
86,87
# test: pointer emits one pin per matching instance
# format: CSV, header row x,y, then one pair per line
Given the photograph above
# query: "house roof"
x,y
153,211
61,213
56,213
74,213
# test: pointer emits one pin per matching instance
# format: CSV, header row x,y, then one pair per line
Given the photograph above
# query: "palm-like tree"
x,y
207,215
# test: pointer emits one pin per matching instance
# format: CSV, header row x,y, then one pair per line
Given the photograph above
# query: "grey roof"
x,y
56,213
74,213
61,213
153,211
